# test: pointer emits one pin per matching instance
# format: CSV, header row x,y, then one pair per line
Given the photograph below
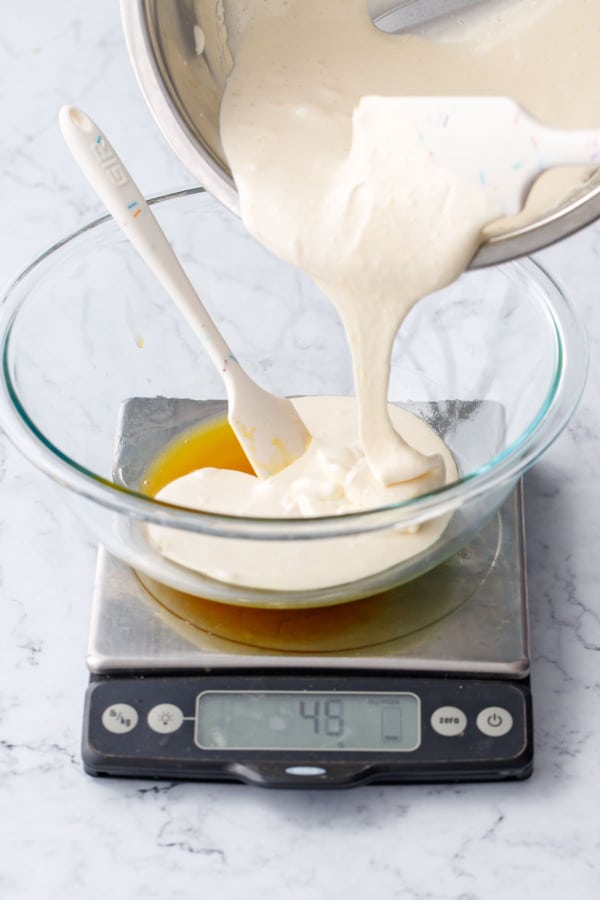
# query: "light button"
x,y
494,721
449,721
165,718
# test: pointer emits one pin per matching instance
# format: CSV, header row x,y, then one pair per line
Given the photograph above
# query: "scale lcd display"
x,y
307,720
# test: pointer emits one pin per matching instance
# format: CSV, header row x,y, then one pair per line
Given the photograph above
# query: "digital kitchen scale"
x,y
425,683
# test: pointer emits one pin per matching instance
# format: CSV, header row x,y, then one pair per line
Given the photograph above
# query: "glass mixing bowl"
x,y
496,363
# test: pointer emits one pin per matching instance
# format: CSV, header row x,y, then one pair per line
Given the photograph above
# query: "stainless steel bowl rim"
x,y
545,231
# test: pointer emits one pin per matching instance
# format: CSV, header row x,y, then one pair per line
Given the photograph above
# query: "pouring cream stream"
x,y
331,179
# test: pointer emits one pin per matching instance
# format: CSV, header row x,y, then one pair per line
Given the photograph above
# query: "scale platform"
x,y
425,683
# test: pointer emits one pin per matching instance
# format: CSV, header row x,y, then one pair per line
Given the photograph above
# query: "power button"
x,y
494,721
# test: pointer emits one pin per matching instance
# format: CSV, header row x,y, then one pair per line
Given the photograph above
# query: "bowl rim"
x,y
560,403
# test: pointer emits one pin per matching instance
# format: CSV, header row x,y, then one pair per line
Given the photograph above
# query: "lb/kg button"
x,y
119,718
494,721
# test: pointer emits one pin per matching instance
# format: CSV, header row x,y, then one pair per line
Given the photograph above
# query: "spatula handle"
x,y
123,199
568,147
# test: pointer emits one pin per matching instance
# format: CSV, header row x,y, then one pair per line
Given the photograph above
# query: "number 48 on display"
x,y
327,716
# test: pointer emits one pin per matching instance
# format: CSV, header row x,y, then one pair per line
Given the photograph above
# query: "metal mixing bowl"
x,y
183,88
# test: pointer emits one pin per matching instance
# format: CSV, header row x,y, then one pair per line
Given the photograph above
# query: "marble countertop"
x,y
64,834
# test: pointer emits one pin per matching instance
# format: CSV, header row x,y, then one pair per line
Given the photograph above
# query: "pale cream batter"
x,y
330,179
330,479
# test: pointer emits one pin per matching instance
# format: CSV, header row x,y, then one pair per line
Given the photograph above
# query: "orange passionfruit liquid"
x,y
212,443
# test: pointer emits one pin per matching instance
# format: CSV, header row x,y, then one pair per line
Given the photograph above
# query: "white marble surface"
x,y
64,834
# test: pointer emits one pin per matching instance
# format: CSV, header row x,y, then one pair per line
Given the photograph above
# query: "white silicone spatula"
x,y
494,143
269,429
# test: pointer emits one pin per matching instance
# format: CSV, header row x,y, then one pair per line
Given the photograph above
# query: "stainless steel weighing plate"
x,y
469,615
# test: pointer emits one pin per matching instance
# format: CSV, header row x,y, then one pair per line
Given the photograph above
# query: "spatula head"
x,y
269,429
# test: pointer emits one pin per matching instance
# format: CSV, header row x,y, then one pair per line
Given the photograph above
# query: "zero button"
x,y
449,721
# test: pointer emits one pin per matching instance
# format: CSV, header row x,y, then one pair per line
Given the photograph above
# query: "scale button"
x,y
449,721
494,721
165,718
119,718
